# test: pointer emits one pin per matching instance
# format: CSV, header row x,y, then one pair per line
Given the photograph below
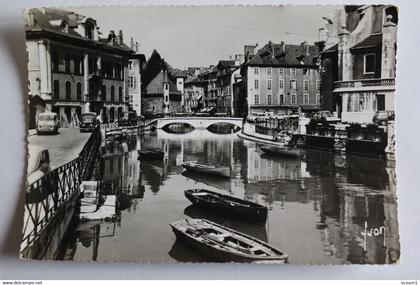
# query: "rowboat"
x,y
223,171
224,244
150,153
281,151
225,204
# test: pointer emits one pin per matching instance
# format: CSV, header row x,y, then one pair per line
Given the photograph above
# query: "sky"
x,y
201,36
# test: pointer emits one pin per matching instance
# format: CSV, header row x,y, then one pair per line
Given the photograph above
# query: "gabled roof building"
x,y
280,78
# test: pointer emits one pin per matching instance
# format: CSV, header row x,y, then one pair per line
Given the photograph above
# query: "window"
x,y
281,99
56,89
269,71
112,93
268,84
131,99
67,63
318,84
281,71
166,86
256,70
269,99
305,84
103,92
79,91
256,99
293,98
256,84
306,98
55,63
130,65
281,84
132,82
293,84
318,97
166,98
77,62
120,94
68,90
293,71
88,30
369,63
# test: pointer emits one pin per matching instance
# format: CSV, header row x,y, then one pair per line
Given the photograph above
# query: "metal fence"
x,y
49,194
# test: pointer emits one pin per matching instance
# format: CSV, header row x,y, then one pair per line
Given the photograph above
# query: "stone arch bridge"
x,y
198,122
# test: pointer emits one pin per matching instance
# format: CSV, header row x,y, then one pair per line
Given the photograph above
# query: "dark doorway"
x,y
380,102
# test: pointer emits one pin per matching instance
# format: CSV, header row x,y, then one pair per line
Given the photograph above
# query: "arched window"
x,y
55,64
66,62
120,94
79,91
112,94
89,30
103,92
68,90
111,114
91,90
56,89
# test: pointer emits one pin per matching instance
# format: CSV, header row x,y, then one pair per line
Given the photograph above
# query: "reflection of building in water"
x,y
261,168
346,206
112,159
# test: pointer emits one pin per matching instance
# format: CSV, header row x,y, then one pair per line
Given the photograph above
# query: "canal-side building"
x,y
227,74
135,70
358,61
195,88
72,69
161,94
281,77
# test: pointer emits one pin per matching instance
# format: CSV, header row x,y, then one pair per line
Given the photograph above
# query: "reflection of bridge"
x,y
198,122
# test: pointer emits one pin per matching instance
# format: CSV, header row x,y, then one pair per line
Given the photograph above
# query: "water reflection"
x,y
319,205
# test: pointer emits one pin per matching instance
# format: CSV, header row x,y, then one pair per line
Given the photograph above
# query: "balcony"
x,y
376,84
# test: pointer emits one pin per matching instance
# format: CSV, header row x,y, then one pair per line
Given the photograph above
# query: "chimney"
x,y
111,37
283,46
249,51
137,47
30,19
120,37
132,43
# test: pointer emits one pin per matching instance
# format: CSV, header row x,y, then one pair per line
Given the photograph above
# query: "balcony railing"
x,y
377,82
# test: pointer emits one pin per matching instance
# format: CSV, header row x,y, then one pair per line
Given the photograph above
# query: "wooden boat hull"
x,y
278,151
222,253
225,204
207,170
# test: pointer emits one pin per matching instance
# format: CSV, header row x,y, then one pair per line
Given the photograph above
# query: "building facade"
x,y
358,61
71,69
280,78
195,88
135,70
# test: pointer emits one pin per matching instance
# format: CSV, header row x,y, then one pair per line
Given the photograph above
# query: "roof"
x,y
285,55
372,41
50,21
156,85
333,48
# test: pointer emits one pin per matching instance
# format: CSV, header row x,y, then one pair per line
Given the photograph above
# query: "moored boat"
x,y
150,153
216,170
281,151
225,204
224,244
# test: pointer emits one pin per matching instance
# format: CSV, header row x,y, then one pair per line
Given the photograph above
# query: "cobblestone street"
x,y
63,147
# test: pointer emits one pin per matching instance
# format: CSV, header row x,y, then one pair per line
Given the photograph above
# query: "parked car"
x,y
89,122
47,123
38,163
382,117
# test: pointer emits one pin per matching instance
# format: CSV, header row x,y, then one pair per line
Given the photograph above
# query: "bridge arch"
x,y
198,122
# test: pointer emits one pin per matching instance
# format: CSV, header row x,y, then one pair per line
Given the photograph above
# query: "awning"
x,y
310,107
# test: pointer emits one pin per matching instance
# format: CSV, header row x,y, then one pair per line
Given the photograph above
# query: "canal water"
x,y
324,208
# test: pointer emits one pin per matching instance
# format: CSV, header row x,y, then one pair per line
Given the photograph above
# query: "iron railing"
x,y
47,195
377,82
